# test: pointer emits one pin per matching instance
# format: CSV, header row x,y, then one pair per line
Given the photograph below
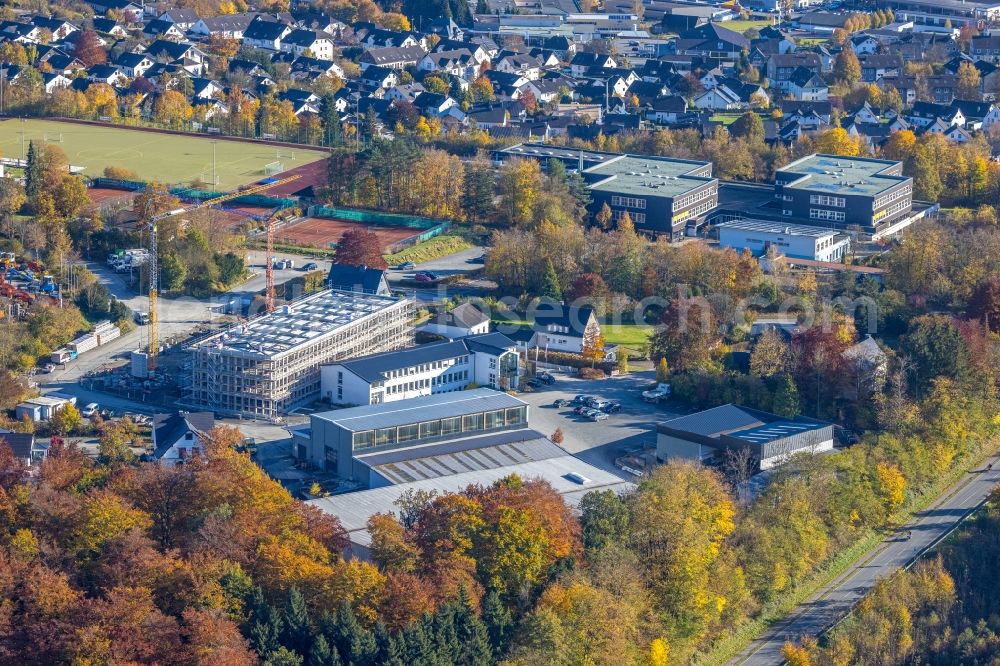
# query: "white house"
x,y
462,321
42,408
488,359
178,437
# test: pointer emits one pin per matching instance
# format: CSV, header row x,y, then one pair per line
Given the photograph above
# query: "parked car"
x,y
595,415
423,277
432,275
581,410
613,407
142,318
533,383
89,410
547,378
598,403
311,266
49,367
481,259
406,266
561,403
581,399
661,392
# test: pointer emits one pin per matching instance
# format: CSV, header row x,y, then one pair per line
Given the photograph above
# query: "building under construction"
x,y
271,365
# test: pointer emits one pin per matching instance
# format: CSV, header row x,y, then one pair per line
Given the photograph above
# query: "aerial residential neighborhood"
x,y
439,332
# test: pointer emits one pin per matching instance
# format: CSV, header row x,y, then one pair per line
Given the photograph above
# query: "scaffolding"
x,y
271,365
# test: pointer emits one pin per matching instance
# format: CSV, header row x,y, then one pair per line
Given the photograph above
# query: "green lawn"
x,y
633,336
743,26
726,118
435,248
165,158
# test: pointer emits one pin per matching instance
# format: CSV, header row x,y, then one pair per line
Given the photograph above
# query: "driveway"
x,y
600,442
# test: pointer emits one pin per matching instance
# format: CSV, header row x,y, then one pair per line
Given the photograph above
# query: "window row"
x,y
367,439
823,214
628,202
825,200
688,199
892,196
425,367
637,218
448,378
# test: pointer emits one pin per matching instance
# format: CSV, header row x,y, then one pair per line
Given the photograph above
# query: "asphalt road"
x,y
834,601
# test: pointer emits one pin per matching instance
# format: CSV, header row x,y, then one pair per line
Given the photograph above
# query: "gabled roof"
x,y
804,77
548,312
262,29
465,315
355,278
715,32
372,368
21,443
168,428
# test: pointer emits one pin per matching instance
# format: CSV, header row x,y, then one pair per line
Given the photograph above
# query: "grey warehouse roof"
x,y
301,322
415,410
354,509
715,421
777,430
460,456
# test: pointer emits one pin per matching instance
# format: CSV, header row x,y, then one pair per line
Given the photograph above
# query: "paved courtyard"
x,y
600,442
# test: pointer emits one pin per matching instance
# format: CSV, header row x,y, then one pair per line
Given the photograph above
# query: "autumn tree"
x,y
360,247
89,50
969,82
172,108
770,354
847,67
520,188
688,334
984,304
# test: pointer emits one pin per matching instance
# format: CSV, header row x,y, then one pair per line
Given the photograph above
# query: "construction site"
x,y
270,366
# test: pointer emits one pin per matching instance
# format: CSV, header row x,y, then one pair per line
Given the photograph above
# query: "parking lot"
x,y
598,442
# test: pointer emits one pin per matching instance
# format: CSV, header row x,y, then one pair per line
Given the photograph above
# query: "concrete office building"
x,y
490,359
841,192
791,240
271,365
771,439
339,440
661,195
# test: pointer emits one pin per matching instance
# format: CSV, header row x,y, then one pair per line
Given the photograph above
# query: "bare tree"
x,y
739,464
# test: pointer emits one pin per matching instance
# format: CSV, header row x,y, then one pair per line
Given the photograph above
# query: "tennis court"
x,y
153,156
321,232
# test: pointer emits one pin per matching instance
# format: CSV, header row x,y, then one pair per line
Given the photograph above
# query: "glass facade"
x,y
469,423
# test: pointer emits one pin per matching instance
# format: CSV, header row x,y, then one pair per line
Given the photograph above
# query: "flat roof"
x,y
545,151
763,226
658,176
460,456
770,432
842,175
415,410
297,324
354,509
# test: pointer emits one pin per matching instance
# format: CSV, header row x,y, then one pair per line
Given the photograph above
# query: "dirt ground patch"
x,y
320,232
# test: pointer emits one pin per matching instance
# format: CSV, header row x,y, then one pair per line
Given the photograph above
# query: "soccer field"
x,y
166,158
